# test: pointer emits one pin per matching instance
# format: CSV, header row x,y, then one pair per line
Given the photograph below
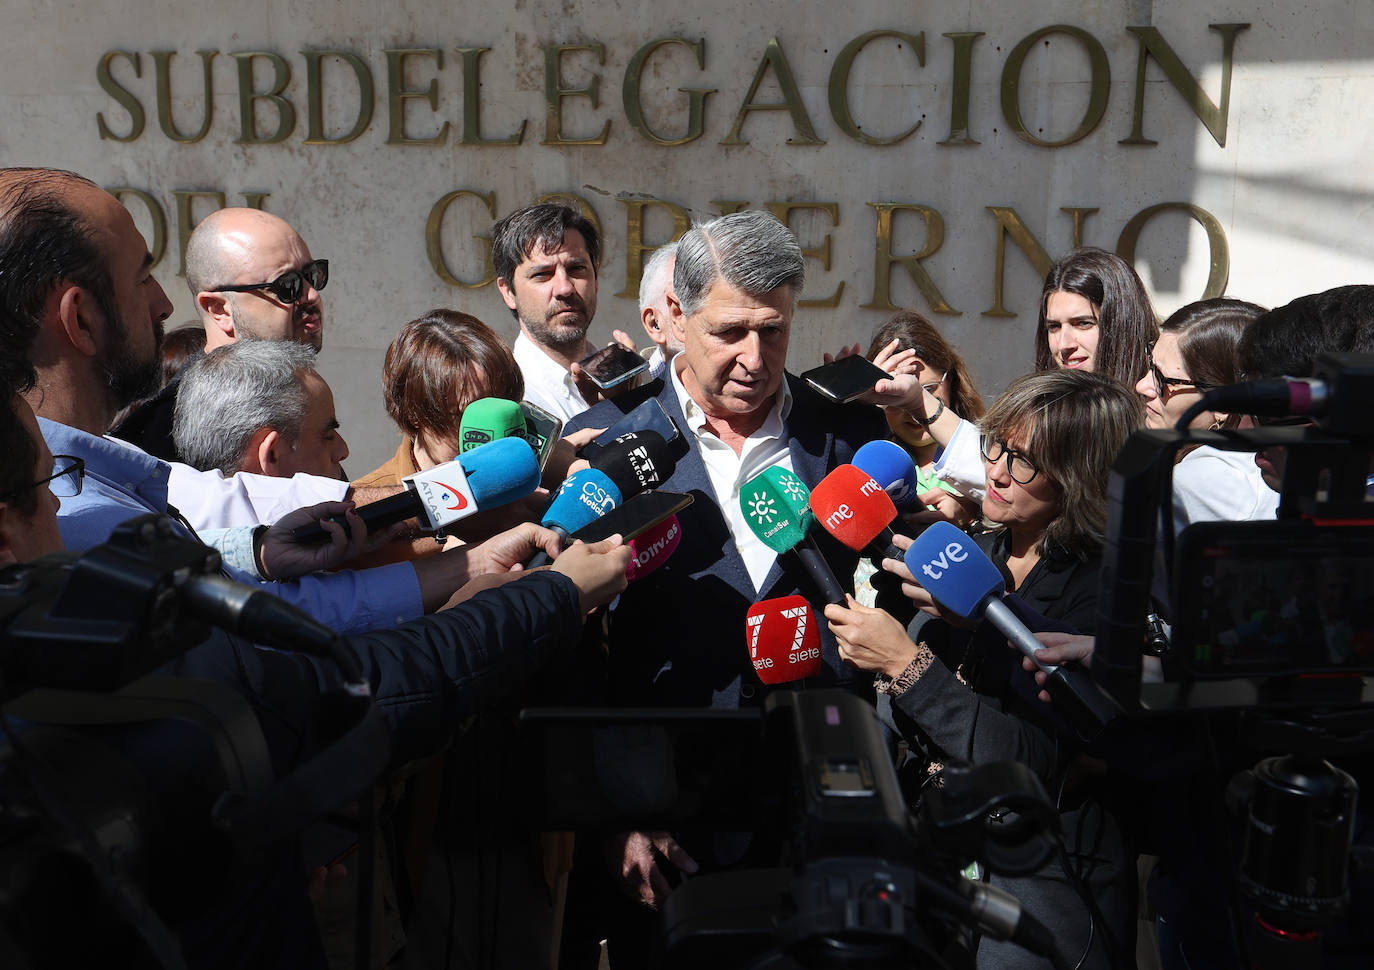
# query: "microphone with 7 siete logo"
x,y
784,640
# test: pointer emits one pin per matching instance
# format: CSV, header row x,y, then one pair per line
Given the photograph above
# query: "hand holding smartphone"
x,y
613,365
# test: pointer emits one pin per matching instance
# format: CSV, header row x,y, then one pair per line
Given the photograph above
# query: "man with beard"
x,y
252,276
546,259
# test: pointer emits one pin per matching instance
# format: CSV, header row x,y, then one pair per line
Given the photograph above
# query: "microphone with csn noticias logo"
x,y
966,583
784,640
852,507
488,476
583,498
775,509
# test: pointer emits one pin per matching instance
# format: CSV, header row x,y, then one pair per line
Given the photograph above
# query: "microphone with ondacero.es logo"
x,y
784,640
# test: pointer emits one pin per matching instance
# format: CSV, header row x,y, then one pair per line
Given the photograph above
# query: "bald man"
x,y
252,276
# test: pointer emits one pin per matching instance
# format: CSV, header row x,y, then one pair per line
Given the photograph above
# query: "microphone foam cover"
x,y
784,640
489,419
852,506
500,471
891,467
636,461
955,571
652,548
775,509
583,498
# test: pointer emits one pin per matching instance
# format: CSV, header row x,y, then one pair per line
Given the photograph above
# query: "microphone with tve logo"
x,y
775,509
784,640
966,583
494,474
854,508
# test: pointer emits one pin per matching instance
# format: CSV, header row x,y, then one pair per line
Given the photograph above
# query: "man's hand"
x,y
844,352
1059,648
597,568
282,556
588,388
563,460
633,861
508,550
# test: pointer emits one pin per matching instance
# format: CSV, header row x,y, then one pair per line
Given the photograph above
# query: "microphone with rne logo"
x,y
892,468
494,474
489,419
583,497
966,583
775,509
636,461
784,640
652,548
852,507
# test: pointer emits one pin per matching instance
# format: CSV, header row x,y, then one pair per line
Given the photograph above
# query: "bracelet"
x,y
926,421
913,671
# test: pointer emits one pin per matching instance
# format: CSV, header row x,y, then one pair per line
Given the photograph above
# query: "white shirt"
x,y
547,384
728,471
1211,485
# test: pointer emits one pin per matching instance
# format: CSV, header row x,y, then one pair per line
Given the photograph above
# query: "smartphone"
x,y
541,431
613,365
648,416
845,379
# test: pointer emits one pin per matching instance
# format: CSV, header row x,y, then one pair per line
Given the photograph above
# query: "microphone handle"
x,y
1071,686
819,570
375,515
542,558
882,547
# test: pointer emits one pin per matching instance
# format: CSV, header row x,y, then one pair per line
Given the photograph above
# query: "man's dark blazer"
x,y
677,636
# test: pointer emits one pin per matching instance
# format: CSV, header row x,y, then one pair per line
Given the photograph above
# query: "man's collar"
x,y
110,457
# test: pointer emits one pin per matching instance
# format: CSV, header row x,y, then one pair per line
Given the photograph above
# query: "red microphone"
x,y
784,640
653,547
854,508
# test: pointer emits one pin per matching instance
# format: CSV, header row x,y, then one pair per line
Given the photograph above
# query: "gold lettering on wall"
x,y
1100,81
839,88
249,97
635,247
398,94
157,247
104,73
884,258
726,206
791,102
783,211
1219,270
696,97
472,102
314,89
1009,224
162,61
1153,44
555,92
434,242
961,76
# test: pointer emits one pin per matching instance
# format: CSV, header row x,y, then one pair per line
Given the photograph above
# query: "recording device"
x,y
653,547
613,365
784,640
647,416
854,508
490,475
775,509
489,419
889,464
845,379
852,880
966,583
541,431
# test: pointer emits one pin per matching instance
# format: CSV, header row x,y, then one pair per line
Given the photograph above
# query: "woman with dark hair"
x,y
960,695
1199,349
1096,316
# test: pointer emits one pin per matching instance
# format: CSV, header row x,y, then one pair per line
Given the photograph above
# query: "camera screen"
x,y
1270,598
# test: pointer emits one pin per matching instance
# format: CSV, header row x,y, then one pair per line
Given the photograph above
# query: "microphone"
x,y
652,548
583,498
487,476
891,467
636,461
853,508
967,583
784,640
489,419
775,509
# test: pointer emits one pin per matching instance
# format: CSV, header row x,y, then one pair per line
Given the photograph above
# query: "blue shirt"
x,y
123,482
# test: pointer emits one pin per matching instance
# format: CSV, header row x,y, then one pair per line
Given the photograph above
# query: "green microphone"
x,y
775,503
488,419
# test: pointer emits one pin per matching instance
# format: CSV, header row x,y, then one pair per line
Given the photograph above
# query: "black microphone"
x,y
636,461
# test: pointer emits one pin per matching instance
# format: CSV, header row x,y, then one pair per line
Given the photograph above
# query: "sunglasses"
x,y
290,286
1165,386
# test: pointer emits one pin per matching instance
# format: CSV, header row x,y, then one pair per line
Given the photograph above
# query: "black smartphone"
x,y
648,416
613,365
541,430
845,379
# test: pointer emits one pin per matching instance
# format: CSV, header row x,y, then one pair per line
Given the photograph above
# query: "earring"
x,y
1216,423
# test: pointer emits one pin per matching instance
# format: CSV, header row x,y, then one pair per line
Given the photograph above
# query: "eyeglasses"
x,y
1019,465
289,286
64,483
932,388
1166,386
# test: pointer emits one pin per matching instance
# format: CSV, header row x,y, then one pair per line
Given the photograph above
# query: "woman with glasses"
x,y
1198,349
1094,315
960,695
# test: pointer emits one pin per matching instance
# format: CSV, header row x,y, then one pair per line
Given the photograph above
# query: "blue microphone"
x,y
966,583
888,464
583,498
